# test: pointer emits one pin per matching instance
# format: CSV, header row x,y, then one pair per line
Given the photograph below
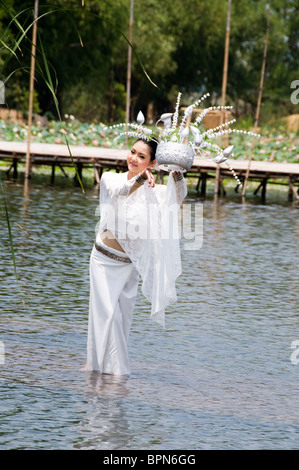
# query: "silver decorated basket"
x,y
174,156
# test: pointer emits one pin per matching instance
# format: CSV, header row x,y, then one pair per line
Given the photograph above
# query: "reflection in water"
x,y
105,424
218,377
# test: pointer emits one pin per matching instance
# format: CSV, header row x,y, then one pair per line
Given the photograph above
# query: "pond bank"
x,y
100,159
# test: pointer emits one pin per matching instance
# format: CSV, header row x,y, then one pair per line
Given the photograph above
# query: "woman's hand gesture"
x,y
146,174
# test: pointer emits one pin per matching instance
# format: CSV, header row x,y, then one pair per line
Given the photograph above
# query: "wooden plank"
x,y
100,158
63,151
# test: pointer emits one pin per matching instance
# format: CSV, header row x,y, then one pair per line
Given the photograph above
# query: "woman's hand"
x,y
177,176
146,174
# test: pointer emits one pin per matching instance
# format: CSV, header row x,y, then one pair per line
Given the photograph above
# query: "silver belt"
x,y
108,253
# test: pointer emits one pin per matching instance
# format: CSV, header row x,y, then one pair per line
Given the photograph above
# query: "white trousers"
x,y
113,290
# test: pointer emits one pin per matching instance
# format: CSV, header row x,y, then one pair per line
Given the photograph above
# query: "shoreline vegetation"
x,y
275,144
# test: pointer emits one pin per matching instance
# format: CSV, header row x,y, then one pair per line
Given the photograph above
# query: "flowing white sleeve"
x,y
180,185
113,188
113,185
153,244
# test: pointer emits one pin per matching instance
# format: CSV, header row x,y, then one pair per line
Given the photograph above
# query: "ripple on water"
x,y
218,377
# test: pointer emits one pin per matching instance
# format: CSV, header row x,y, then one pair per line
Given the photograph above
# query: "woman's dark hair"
x,y
152,145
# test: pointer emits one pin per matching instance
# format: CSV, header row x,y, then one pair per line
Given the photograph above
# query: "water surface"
x,y
219,377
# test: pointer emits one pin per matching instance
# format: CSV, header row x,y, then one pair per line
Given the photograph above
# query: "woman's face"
x,y
139,158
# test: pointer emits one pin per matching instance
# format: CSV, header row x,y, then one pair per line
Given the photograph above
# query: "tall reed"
x,y
20,20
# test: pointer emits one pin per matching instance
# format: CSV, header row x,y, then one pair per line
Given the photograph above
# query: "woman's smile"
x,y
139,158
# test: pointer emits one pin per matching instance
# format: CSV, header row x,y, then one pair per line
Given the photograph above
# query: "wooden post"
x,y
258,188
259,99
226,53
96,175
31,90
264,188
128,98
203,185
15,168
224,85
62,169
53,173
292,190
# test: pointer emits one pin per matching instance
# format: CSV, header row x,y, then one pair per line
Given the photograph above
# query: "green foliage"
x,y
275,144
181,44
17,94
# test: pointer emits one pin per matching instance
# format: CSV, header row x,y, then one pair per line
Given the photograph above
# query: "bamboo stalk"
x,y
31,89
128,97
224,85
226,53
259,99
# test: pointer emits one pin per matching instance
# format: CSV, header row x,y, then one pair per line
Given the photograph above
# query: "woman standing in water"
x,y
135,239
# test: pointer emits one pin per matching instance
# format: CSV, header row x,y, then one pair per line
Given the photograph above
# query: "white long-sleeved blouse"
x,y
145,223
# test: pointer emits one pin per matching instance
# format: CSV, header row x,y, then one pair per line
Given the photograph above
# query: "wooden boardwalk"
x,y
99,159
